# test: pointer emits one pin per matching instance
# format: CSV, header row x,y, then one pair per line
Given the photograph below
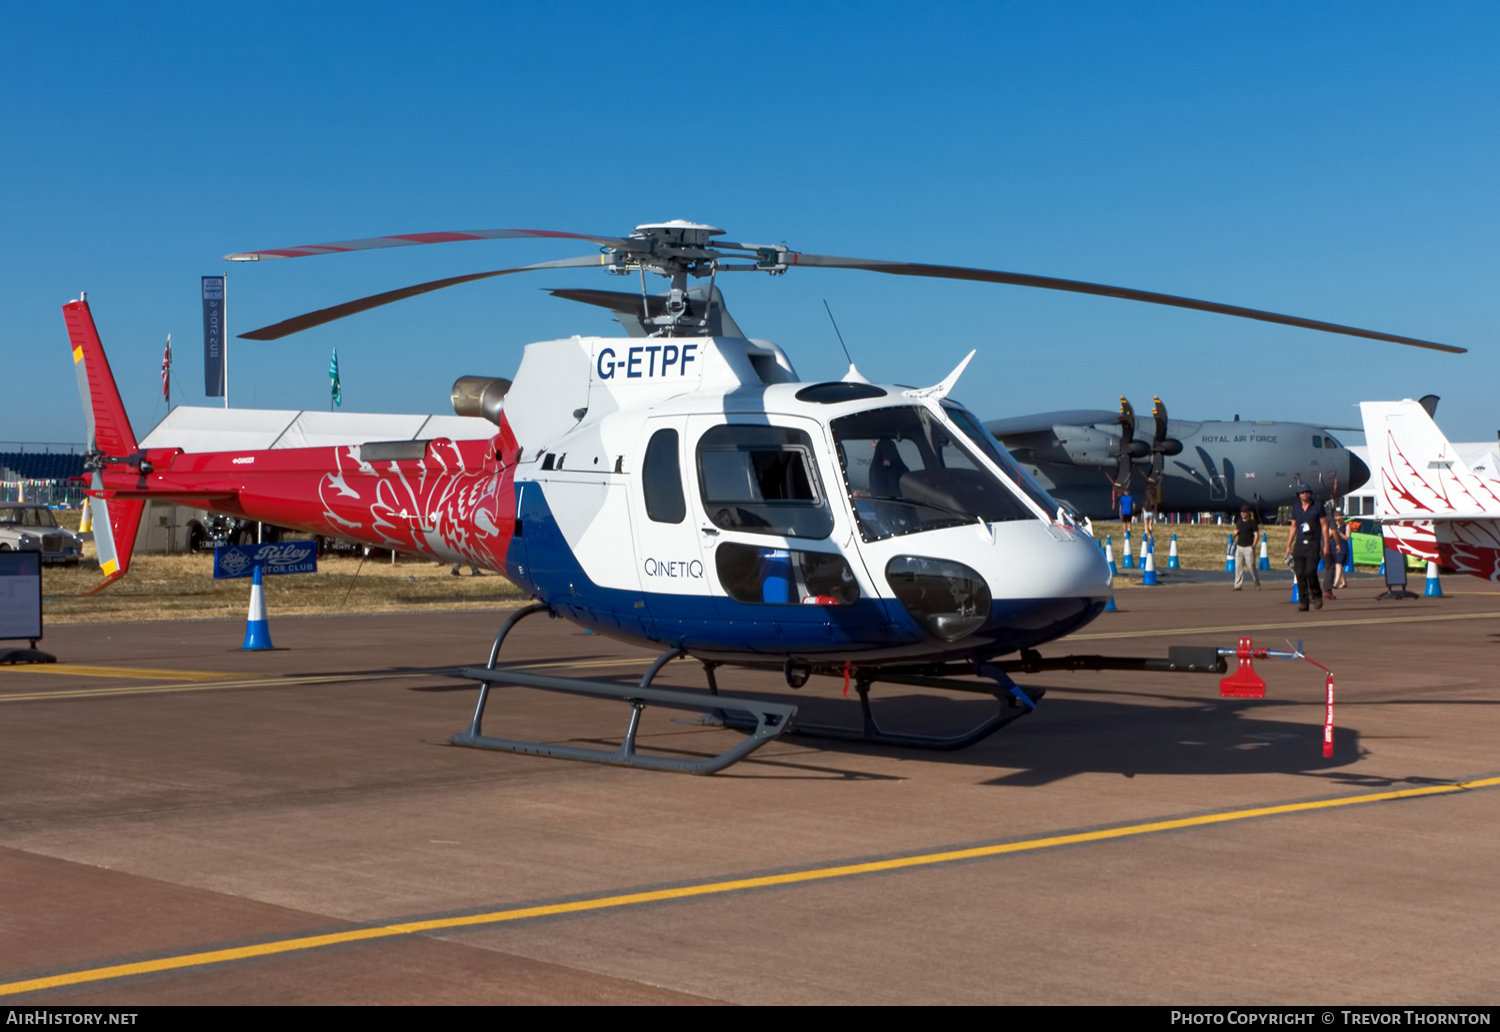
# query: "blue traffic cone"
x,y
1148,565
1229,555
1265,560
257,629
1127,561
1109,607
1109,552
1434,587
1296,594
1172,563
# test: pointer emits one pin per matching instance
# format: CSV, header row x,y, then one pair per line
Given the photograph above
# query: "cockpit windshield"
x,y
906,472
975,431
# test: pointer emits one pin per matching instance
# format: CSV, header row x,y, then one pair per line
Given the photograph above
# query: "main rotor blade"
x,y
297,324
1017,279
409,239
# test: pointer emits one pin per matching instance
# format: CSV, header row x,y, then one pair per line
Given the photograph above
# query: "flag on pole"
x,y
333,376
166,374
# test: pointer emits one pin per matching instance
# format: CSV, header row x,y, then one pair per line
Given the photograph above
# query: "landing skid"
x,y
767,719
1015,704
762,721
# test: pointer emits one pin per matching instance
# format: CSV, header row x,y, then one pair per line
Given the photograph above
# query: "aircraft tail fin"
x,y
116,522
1417,472
116,519
108,426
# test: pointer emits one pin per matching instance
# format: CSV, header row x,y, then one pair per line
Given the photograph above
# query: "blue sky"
x,y
1336,161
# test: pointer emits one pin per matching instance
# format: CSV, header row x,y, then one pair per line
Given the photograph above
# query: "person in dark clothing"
x,y
1246,530
1306,543
1338,554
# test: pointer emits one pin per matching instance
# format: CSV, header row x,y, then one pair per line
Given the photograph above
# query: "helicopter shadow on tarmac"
x,y
1070,734
1073,731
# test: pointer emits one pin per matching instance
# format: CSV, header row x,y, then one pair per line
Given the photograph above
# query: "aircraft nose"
x,y
1359,473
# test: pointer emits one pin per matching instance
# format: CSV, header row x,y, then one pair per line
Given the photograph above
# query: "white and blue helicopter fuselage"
x,y
693,493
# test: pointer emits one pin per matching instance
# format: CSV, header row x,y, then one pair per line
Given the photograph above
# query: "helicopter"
x,y
682,487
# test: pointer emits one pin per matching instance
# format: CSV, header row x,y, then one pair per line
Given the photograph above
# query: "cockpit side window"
x,y
905,473
661,479
1317,441
764,480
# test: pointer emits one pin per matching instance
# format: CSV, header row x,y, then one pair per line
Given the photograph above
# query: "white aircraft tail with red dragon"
x,y
1431,503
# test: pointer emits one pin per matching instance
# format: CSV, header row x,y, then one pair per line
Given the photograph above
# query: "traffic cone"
x,y
1265,560
257,629
1109,607
1146,539
86,519
1109,552
1127,560
1172,563
1148,564
1434,587
1296,594
1229,555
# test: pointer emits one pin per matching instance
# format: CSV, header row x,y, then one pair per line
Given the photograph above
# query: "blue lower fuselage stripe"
x,y
542,562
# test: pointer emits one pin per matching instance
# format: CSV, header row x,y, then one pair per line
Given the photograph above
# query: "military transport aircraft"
x,y
680,487
1088,458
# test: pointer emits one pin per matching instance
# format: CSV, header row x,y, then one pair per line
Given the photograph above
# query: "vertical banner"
x,y
214,372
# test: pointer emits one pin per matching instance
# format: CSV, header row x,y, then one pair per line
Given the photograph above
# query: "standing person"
x,y
1246,532
1306,543
1338,552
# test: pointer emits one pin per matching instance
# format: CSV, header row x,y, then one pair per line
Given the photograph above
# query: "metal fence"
x,y
60,494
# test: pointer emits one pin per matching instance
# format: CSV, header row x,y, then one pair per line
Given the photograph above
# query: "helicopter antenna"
x,y
836,331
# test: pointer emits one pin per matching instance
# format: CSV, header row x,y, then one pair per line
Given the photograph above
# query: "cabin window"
x,y
783,576
906,473
661,479
762,479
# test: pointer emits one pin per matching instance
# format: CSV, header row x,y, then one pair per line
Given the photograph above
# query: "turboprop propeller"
x,y
1161,446
679,250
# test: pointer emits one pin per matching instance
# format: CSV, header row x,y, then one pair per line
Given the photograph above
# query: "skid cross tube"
x,y
1016,703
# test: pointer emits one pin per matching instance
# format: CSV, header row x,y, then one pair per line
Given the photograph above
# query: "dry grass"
x,y
181,587
1199,546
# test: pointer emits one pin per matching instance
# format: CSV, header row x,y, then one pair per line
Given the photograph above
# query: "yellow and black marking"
x,y
719,888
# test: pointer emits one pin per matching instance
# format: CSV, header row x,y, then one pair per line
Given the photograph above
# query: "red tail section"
x,y
108,432
109,426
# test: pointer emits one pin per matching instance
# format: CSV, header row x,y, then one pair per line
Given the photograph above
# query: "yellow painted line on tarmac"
x,y
1304,624
200,686
143,673
251,681
630,899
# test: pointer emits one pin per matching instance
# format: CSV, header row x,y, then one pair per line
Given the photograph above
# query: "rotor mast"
x,y
679,250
